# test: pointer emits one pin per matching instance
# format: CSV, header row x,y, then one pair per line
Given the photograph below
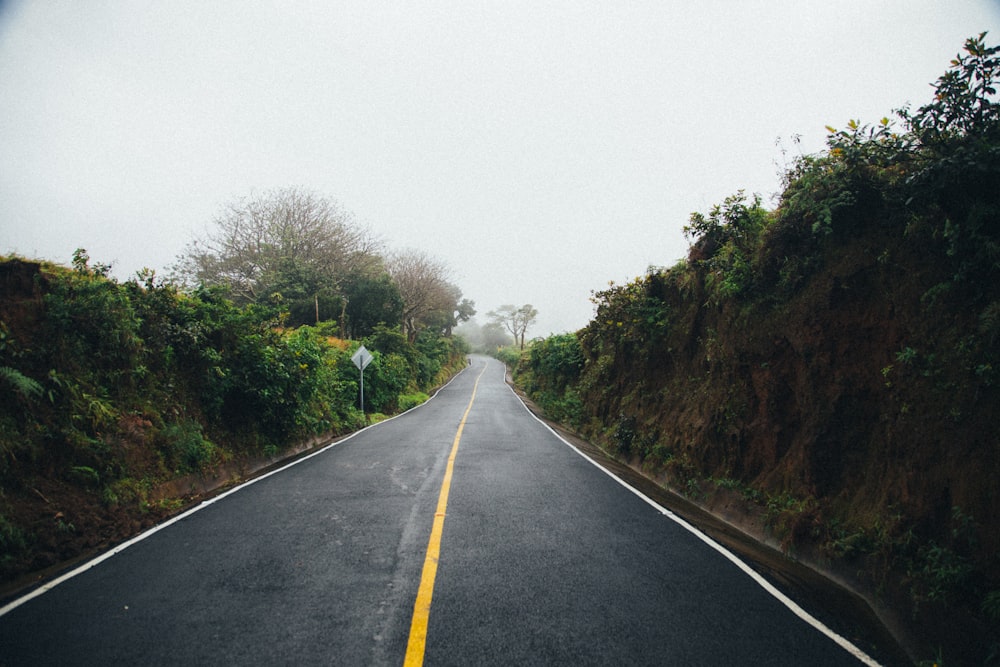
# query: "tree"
x,y
965,102
371,301
428,298
287,241
453,311
463,312
515,320
483,338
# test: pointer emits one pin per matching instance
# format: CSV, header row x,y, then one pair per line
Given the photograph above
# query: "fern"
x,y
20,382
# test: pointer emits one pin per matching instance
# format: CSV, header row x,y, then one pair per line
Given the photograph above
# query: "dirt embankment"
x,y
835,596
70,522
847,422
122,403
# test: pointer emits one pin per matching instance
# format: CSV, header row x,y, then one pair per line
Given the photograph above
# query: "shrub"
x,y
186,448
409,401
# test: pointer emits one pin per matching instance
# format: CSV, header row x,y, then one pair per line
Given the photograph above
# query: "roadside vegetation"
x,y
831,362
116,398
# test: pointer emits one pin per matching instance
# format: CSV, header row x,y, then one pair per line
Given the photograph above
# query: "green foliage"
x,y
548,371
110,350
410,401
400,366
372,302
965,102
14,543
91,327
432,355
387,377
957,160
323,306
939,574
111,389
325,397
186,447
508,354
885,248
724,243
935,179
991,606
638,313
625,434
22,385
556,362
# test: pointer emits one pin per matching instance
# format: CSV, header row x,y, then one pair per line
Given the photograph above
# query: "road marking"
x,y
792,606
114,551
422,607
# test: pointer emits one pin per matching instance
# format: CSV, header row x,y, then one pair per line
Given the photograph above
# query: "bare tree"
x,y
428,296
515,320
283,239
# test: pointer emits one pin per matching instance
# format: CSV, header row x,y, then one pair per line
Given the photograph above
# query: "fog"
x,y
540,149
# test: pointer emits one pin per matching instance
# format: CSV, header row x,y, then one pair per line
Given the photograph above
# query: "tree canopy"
x,y
429,299
286,242
304,253
514,319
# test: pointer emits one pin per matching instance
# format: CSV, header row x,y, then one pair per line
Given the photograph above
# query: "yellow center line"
x,y
422,607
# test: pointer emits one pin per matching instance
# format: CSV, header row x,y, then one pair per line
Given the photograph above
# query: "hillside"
x,y
830,366
121,401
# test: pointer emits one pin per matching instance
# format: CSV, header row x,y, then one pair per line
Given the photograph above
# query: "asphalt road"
x,y
544,559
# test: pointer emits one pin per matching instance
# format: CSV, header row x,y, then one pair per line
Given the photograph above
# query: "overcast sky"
x,y
540,149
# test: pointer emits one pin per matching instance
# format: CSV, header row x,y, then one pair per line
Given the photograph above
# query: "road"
x,y
543,559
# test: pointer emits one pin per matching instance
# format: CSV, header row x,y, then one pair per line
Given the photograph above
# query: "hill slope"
x,y
833,362
120,400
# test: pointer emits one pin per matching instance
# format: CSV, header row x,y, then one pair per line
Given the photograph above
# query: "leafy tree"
x,y
325,305
965,98
514,319
371,301
453,311
464,311
494,335
943,160
956,163
484,338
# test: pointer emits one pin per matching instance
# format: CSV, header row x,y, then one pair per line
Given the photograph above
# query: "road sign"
x,y
362,358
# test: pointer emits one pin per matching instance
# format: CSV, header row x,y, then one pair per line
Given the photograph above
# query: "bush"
x,y
509,355
409,401
556,362
186,448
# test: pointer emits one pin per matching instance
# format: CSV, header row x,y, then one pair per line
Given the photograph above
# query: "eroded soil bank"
x,y
834,597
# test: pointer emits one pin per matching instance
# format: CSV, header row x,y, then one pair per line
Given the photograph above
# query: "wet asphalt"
x,y
545,559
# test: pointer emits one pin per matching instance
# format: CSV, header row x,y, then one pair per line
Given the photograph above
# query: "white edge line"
x,y
114,551
750,572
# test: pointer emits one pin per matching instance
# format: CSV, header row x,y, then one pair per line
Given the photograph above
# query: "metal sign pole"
x,y
361,359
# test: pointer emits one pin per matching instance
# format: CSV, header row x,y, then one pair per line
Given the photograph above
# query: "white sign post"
x,y
361,359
